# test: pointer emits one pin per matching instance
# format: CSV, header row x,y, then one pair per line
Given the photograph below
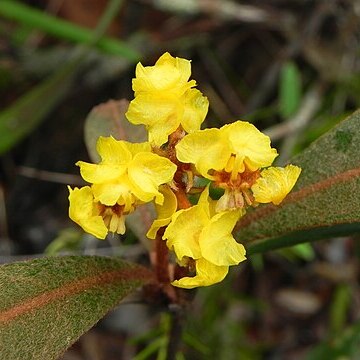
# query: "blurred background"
x,y
290,67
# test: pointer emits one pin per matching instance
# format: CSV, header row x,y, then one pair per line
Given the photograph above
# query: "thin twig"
x,y
307,109
217,104
50,176
298,41
228,10
5,243
216,71
292,128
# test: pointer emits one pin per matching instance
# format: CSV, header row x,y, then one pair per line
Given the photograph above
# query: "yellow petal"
x,y
159,132
85,213
97,173
155,78
112,151
168,73
216,242
135,148
94,226
206,203
206,149
147,172
195,109
149,109
206,274
275,183
155,226
183,232
164,211
168,208
252,147
111,193
160,114
183,66
81,203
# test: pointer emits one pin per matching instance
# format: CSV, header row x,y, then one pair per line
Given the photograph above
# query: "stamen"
x,y
230,164
114,218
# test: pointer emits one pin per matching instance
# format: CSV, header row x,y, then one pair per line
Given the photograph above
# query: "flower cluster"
x,y
236,158
165,99
128,175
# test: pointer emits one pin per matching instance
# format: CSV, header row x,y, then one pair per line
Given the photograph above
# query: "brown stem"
x,y
182,199
161,258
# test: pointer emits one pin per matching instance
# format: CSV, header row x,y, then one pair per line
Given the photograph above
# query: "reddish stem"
x,y
161,260
160,254
182,199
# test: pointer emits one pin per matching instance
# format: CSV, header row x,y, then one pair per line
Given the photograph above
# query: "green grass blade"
x,y
26,113
289,90
63,29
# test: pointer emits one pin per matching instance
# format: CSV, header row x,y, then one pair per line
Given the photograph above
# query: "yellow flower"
x,y
234,157
85,212
206,274
128,175
275,183
233,148
168,73
165,99
95,218
199,235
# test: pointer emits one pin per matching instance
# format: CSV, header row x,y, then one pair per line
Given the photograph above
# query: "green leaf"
x,y
47,304
290,89
325,201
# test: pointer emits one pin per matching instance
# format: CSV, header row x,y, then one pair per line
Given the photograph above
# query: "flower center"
x,y
114,217
241,181
237,188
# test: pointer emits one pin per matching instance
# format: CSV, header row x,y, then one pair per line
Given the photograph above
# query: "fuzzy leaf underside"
x,y
109,119
47,304
325,201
